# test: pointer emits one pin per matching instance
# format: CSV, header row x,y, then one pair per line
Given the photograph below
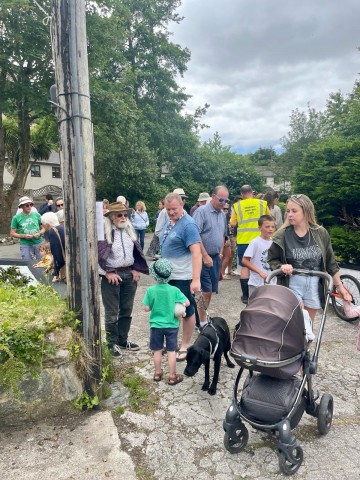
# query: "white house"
x,y
269,179
44,177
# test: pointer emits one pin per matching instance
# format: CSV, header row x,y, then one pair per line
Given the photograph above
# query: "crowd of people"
x,y
190,252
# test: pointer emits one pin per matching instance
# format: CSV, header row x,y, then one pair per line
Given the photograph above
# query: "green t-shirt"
x,y
161,298
29,224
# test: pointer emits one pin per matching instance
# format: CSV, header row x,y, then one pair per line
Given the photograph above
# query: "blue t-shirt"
x,y
175,247
161,298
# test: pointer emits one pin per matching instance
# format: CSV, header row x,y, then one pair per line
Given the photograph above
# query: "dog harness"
x,y
212,351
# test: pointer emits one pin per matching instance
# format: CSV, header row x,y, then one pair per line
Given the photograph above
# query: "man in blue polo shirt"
x,y
180,244
211,221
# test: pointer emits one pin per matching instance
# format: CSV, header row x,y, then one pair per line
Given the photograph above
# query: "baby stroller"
x,y
271,344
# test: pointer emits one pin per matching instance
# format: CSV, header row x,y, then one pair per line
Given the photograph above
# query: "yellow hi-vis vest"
x,y
248,212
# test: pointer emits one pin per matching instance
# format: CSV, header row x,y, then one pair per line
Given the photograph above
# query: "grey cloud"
x,y
255,61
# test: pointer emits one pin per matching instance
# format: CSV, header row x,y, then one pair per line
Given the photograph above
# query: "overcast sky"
x,y
254,61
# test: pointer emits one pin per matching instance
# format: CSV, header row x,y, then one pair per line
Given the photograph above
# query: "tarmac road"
x,y
183,438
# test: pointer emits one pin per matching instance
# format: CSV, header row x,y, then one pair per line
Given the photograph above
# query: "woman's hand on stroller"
x,y
346,295
286,269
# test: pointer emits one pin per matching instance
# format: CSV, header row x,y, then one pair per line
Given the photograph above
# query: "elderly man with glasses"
x,y
26,226
212,225
121,261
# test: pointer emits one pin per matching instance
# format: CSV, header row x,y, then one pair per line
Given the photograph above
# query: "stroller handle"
x,y
310,273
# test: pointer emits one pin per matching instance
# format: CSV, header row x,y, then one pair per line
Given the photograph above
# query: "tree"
x,y
25,78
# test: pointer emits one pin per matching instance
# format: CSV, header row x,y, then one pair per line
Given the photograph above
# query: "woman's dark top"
x,y
56,249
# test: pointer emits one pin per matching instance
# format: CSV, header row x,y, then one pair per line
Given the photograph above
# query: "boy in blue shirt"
x,y
161,300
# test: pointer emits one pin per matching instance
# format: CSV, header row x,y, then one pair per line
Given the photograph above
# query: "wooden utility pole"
x,y
69,45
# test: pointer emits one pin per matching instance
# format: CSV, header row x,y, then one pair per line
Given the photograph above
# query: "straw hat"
x,y
180,191
115,208
203,197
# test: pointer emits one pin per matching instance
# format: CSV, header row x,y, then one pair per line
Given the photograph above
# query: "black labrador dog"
x,y
213,341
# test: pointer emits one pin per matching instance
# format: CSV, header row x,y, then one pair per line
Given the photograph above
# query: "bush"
x,y
345,243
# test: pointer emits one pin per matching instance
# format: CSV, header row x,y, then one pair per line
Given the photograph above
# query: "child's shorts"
x,y
306,289
157,339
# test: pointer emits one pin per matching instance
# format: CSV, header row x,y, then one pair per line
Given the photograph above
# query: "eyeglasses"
x,y
222,200
119,215
27,204
298,195
59,204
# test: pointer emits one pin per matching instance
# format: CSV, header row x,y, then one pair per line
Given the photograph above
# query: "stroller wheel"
x,y
325,414
290,461
237,441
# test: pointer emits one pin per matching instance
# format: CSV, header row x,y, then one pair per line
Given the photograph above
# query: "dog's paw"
x,y
212,390
205,387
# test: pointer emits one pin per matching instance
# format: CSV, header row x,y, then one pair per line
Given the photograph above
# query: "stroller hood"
x,y
271,326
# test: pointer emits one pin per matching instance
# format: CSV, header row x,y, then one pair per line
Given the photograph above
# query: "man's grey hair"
x,y
219,187
173,196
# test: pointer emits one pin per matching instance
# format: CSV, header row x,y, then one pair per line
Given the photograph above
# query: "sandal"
x,y
181,355
158,376
175,379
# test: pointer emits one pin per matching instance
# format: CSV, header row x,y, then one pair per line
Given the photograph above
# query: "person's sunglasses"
x,y
119,215
59,204
222,200
298,195
27,205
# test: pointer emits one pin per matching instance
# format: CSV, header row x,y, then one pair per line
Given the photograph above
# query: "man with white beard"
x,y
121,261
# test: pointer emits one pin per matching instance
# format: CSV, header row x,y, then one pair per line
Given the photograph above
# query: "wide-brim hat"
x,y
117,207
161,270
24,200
180,191
203,196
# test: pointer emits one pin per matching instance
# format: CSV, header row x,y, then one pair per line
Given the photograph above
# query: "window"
x,y
35,171
56,172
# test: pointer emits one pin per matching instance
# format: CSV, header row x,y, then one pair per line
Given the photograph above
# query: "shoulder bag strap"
x,y
58,235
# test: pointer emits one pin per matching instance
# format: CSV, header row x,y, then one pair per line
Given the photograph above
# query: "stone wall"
x,y
48,395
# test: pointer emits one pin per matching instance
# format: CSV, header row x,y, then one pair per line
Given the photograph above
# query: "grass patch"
x,y
143,473
119,410
143,398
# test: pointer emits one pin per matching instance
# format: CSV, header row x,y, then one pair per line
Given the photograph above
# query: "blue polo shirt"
x,y
175,247
212,227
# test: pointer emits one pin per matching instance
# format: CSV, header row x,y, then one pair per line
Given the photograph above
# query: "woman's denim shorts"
x,y
306,289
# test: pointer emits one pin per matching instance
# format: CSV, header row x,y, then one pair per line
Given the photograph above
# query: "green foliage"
x,y
27,315
119,410
329,173
346,243
11,275
86,401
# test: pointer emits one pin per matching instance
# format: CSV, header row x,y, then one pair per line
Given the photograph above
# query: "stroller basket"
x,y
271,337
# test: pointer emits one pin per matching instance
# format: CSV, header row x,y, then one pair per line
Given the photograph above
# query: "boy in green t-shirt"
x,y
160,300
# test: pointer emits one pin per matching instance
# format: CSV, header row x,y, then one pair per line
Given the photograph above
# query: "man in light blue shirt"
x,y
211,221
180,244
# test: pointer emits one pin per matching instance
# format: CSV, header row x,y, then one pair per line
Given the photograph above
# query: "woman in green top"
x,y
303,244
26,226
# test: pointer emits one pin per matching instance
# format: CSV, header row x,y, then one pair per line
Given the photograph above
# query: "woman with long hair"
x,y
140,221
303,244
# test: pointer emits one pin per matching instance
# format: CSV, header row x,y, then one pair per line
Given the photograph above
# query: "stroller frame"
x,y
290,452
